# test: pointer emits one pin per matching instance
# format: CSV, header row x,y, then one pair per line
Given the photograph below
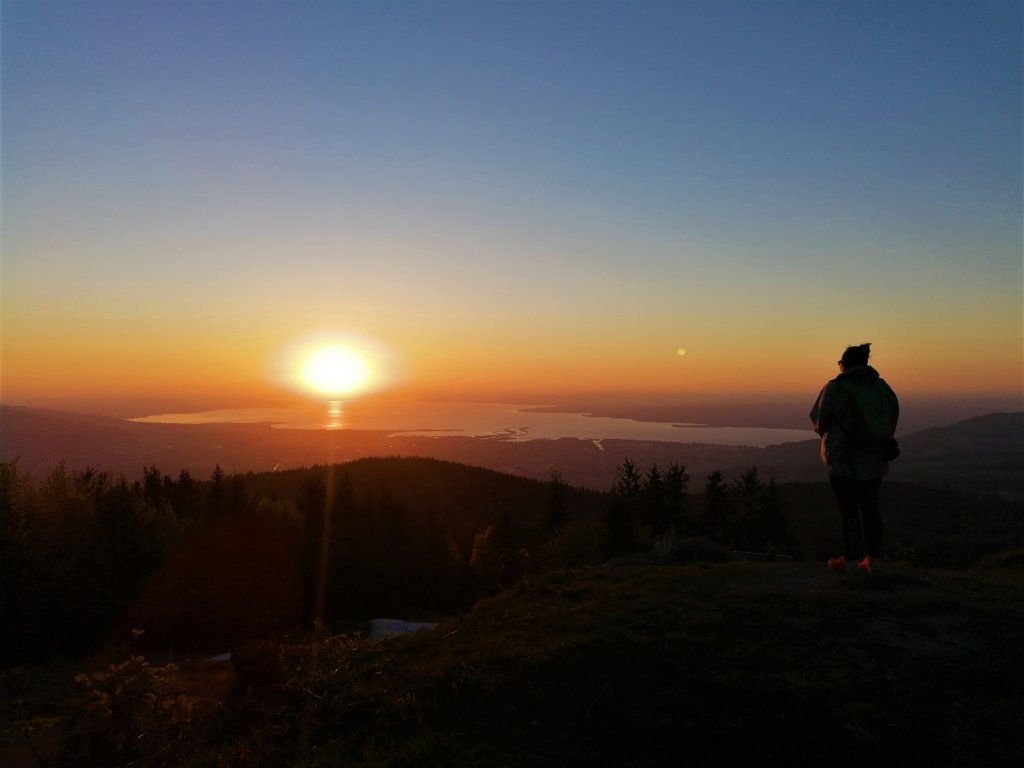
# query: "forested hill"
x,y
576,657
85,556
207,563
460,499
984,454
995,432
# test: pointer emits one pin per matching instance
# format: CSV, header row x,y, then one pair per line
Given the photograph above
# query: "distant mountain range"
x,y
984,454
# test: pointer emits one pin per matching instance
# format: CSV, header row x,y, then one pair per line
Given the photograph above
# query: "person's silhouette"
x,y
855,471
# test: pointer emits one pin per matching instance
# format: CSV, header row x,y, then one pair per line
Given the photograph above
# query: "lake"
x,y
496,420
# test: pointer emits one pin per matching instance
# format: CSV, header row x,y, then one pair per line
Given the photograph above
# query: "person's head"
x,y
854,356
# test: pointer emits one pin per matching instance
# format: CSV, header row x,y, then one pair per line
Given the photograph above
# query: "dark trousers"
x,y
859,506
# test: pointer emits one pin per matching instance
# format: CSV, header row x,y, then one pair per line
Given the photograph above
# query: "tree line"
x,y
88,558
746,514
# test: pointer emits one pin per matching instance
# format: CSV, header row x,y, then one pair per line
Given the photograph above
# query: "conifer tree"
x,y
747,491
556,513
677,483
761,524
623,523
185,495
215,496
653,501
628,481
715,520
153,487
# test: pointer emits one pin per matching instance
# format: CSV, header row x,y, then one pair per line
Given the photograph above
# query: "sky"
x,y
509,197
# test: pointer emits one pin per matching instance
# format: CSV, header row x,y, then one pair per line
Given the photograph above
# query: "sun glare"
x,y
335,371
333,366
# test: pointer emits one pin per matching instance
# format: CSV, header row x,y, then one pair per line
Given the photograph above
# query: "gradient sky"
x,y
511,196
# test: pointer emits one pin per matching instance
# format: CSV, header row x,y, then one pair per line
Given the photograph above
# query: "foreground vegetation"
x,y
88,560
119,592
686,664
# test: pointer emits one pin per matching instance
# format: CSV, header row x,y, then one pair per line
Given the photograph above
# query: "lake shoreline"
x,y
484,420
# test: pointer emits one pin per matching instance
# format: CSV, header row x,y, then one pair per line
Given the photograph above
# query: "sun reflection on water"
x,y
335,415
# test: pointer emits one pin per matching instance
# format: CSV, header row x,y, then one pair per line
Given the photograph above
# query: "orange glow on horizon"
x,y
93,360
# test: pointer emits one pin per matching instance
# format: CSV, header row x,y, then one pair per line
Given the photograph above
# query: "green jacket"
x,y
832,416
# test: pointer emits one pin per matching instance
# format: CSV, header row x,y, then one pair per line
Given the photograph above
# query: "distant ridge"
x,y
983,454
991,433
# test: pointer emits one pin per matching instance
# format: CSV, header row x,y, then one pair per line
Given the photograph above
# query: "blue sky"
x,y
561,181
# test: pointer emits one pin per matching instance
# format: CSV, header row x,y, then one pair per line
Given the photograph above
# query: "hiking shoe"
x,y
838,564
869,565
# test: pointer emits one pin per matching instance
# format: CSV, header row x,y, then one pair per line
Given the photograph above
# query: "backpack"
x,y
872,426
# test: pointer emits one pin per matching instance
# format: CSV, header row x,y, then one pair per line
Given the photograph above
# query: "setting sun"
x,y
335,370
333,365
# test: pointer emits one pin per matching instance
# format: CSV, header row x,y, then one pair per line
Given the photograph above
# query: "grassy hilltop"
x,y
687,664
117,593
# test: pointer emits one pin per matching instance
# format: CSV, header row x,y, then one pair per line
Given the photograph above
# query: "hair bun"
x,y
856,356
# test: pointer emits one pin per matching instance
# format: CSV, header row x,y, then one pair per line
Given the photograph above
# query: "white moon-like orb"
x,y
681,352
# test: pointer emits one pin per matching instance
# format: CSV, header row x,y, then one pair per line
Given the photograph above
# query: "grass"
x,y
647,666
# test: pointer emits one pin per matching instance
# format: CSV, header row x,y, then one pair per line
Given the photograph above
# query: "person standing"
x,y
857,396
